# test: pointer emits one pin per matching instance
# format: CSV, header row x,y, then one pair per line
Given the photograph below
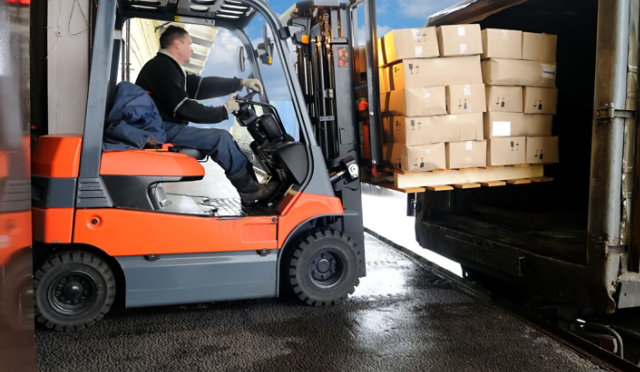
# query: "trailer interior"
x,y
523,232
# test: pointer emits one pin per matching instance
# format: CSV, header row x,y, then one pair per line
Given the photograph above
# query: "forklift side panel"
x,y
120,232
52,225
178,279
307,206
56,156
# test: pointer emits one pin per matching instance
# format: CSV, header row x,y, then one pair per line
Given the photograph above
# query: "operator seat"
x,y
193,153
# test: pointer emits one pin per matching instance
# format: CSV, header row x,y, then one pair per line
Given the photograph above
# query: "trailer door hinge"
x,y
609,112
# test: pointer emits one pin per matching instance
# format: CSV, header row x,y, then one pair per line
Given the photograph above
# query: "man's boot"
x,y
251,191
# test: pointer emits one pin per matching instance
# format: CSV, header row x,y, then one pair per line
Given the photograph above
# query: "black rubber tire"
x,y
73,290
323,269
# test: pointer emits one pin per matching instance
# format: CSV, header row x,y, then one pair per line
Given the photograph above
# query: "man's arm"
x,y
211,86
195,112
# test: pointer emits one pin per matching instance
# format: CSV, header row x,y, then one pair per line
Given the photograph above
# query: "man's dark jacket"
x,y
175,92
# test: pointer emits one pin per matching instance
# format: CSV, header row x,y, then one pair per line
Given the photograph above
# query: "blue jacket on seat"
x,y
132,120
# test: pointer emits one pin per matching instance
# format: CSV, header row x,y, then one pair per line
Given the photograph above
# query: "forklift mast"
x,y
323,33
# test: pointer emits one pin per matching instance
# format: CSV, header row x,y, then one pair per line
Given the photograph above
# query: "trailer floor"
x,y
401,317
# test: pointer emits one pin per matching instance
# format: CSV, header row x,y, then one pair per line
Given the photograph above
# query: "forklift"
x,y
106,232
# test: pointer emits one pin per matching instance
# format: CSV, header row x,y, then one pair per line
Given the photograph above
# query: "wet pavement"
x,y
402,317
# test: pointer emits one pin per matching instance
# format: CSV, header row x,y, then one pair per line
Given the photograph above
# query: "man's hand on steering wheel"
x,y
253,84
232,104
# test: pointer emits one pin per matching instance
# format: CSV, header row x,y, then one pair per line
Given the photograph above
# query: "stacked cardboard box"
x,y
432,98
519,71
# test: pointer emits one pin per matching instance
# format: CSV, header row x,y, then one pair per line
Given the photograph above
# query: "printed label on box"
x,y
501,129
548,71
418,50
468,145
461,31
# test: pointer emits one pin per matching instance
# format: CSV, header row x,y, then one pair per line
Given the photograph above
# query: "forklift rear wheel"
x,y
73,290
322,270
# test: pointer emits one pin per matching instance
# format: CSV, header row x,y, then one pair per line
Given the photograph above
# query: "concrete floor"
x,y
402,317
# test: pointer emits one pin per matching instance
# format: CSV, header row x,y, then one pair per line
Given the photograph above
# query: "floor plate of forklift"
x,y
206,206
215,196
402,317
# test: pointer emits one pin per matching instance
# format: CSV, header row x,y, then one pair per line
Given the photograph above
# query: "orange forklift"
x,y
107,232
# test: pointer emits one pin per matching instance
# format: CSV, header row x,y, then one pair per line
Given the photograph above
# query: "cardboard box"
x,y
536,125
505,99
506,151
432,129
414,102
384,79
410,43
459,40
540,100
466,98
539,47
415,158
467,154
380,52
542,150
499,43
429,72
497,71
511,124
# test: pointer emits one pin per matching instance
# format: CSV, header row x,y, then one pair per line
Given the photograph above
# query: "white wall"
x,y
68,64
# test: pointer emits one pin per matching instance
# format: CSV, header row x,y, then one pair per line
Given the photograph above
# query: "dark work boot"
x,y
251,191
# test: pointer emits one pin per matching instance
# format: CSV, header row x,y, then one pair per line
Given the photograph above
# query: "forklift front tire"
x,y
73,290
323,268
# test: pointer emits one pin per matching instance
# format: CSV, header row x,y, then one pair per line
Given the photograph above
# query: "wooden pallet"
x,y
448,179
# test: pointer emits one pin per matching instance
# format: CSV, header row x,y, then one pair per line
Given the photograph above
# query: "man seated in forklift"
x,y
175,93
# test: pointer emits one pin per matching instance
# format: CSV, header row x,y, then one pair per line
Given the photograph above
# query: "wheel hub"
x,y
323,266
73,290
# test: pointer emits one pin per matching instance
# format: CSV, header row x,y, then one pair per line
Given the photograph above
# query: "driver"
x,y
175,92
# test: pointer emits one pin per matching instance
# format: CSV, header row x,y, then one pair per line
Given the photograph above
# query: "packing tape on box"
x,y
463,48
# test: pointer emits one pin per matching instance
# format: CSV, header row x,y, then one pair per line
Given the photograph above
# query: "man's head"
x,y
177,42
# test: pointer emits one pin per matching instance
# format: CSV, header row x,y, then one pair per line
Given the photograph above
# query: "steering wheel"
x,y
247,98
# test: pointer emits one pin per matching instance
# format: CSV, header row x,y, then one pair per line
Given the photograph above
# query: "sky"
x,y
392,14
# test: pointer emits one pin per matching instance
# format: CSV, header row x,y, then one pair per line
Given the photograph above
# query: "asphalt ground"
x,y
402,317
